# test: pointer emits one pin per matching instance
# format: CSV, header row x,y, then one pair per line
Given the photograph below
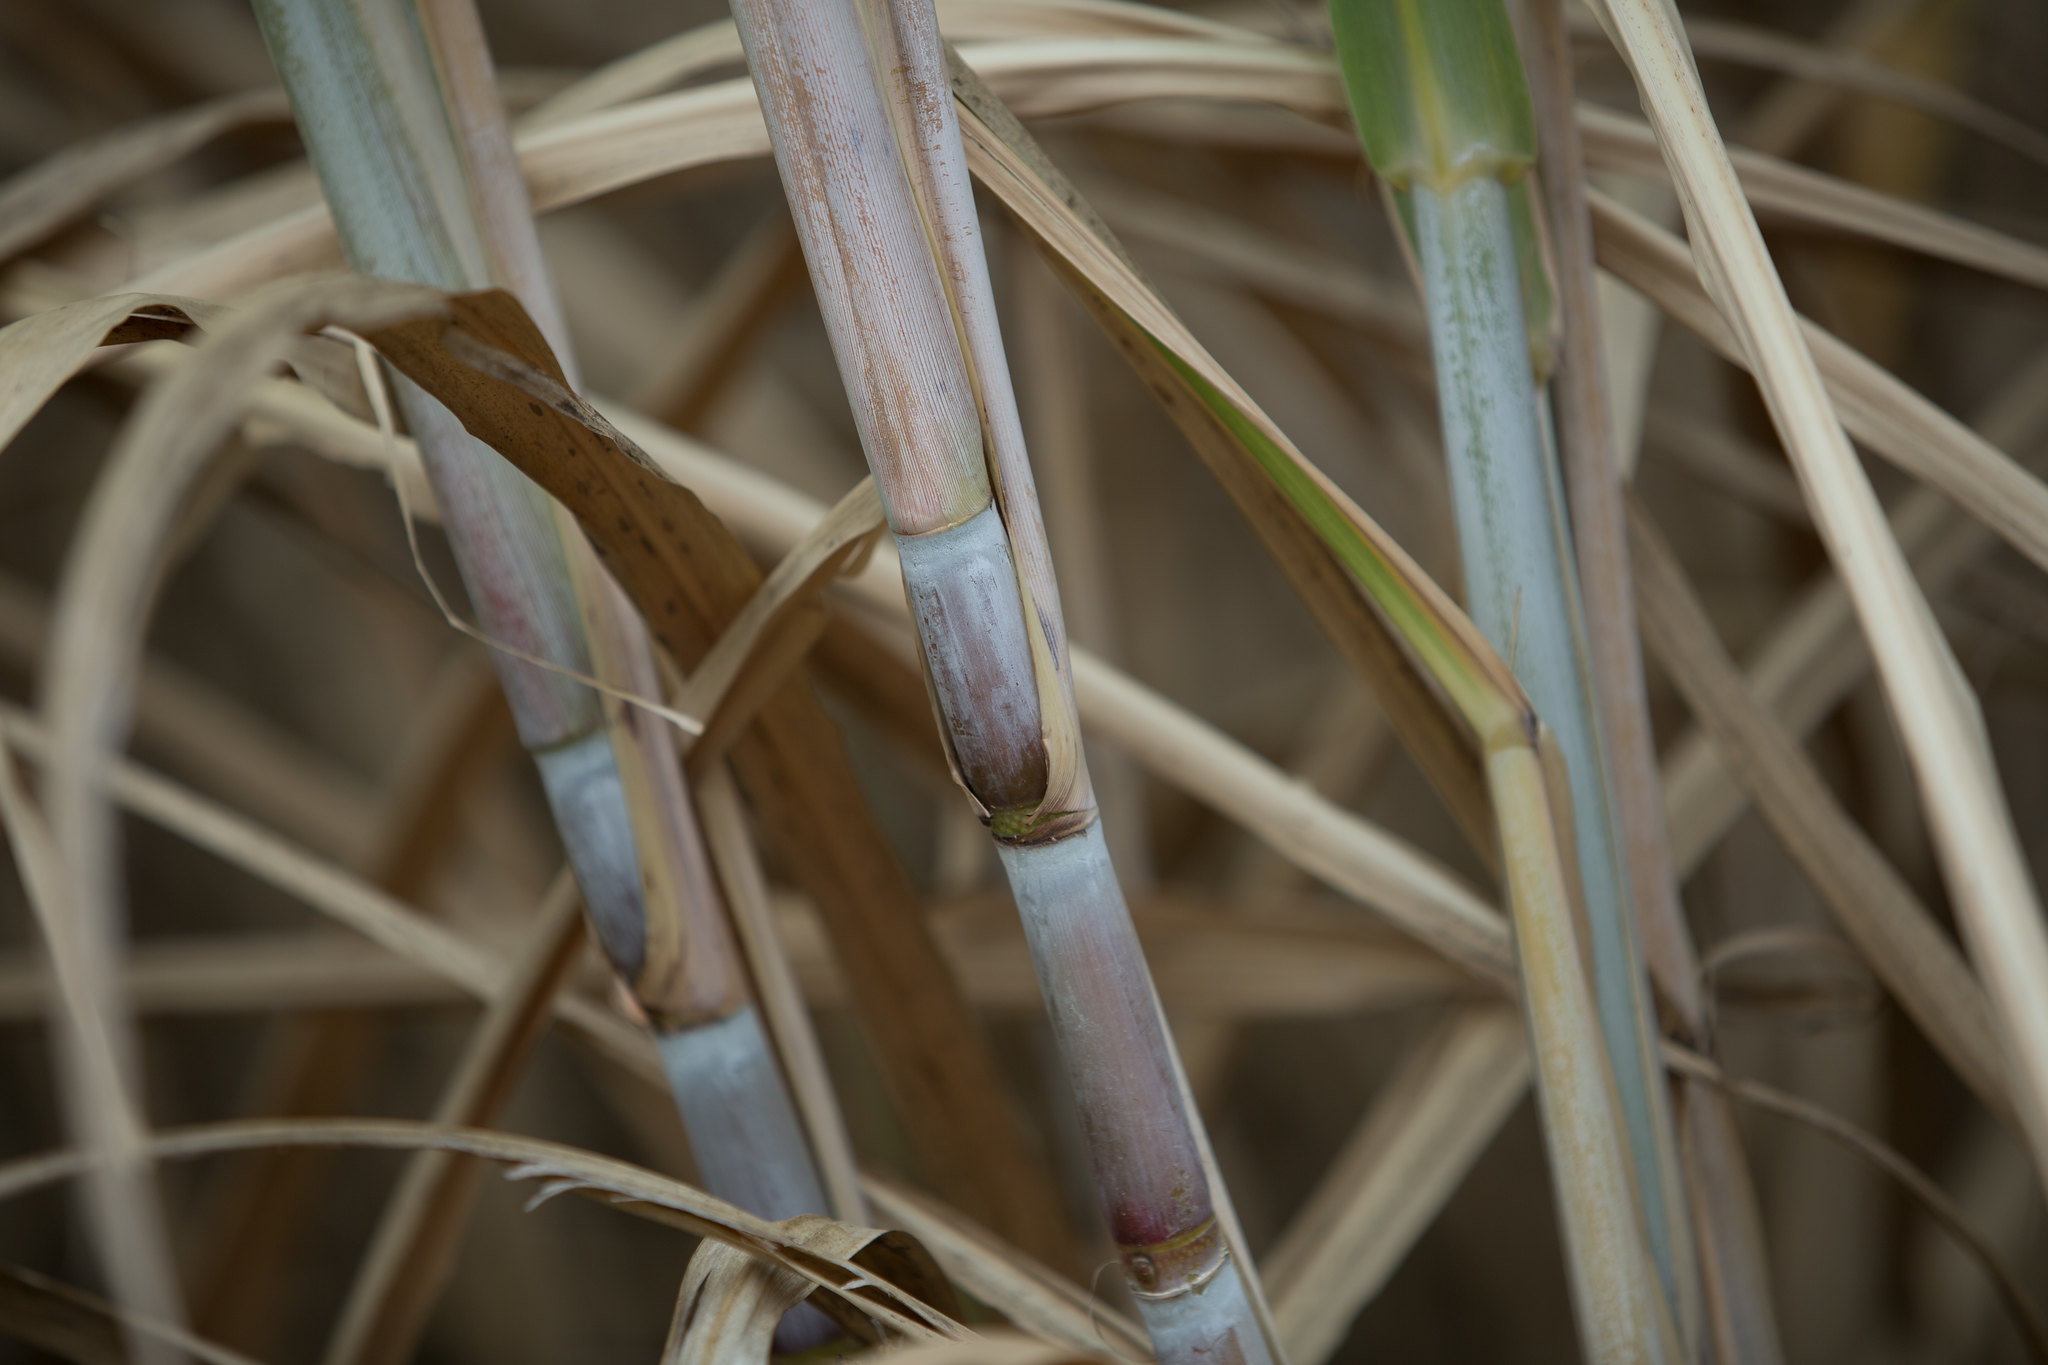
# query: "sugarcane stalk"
x,y
1444,112
401,120
867,142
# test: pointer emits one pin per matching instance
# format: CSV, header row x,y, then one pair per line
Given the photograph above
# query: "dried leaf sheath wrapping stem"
x,y
1621,1311
859,109
401,123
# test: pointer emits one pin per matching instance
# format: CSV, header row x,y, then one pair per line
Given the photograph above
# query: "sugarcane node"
x,y
1028,826
1180,1265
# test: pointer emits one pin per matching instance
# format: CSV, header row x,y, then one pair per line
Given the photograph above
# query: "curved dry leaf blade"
x,y
1936,712
560,1169
728,1307
95,1059
1813,655
1796,194
637,75
2026,1315
1876,407
51,193
334,892
1872,902
1763,49
40,353
162,456
681,59
1027,1292
779,623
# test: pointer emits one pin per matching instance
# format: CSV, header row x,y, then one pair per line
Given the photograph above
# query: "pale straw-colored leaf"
x,y
1873,904
52,193
40,353
558,1169
112,577
110,580
1028,1293
779,622
1813,655
1937,715
1850,70
676,61
728,1306
246,972
1790,193
333,891
95,1057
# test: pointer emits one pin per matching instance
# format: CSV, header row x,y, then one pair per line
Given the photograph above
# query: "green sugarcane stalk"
x,y
402,122
866,138
1443,109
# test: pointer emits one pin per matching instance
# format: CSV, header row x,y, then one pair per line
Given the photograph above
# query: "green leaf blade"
x,y
1436,88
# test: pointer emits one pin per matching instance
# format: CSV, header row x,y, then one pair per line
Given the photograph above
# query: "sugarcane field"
x,y
1023,682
